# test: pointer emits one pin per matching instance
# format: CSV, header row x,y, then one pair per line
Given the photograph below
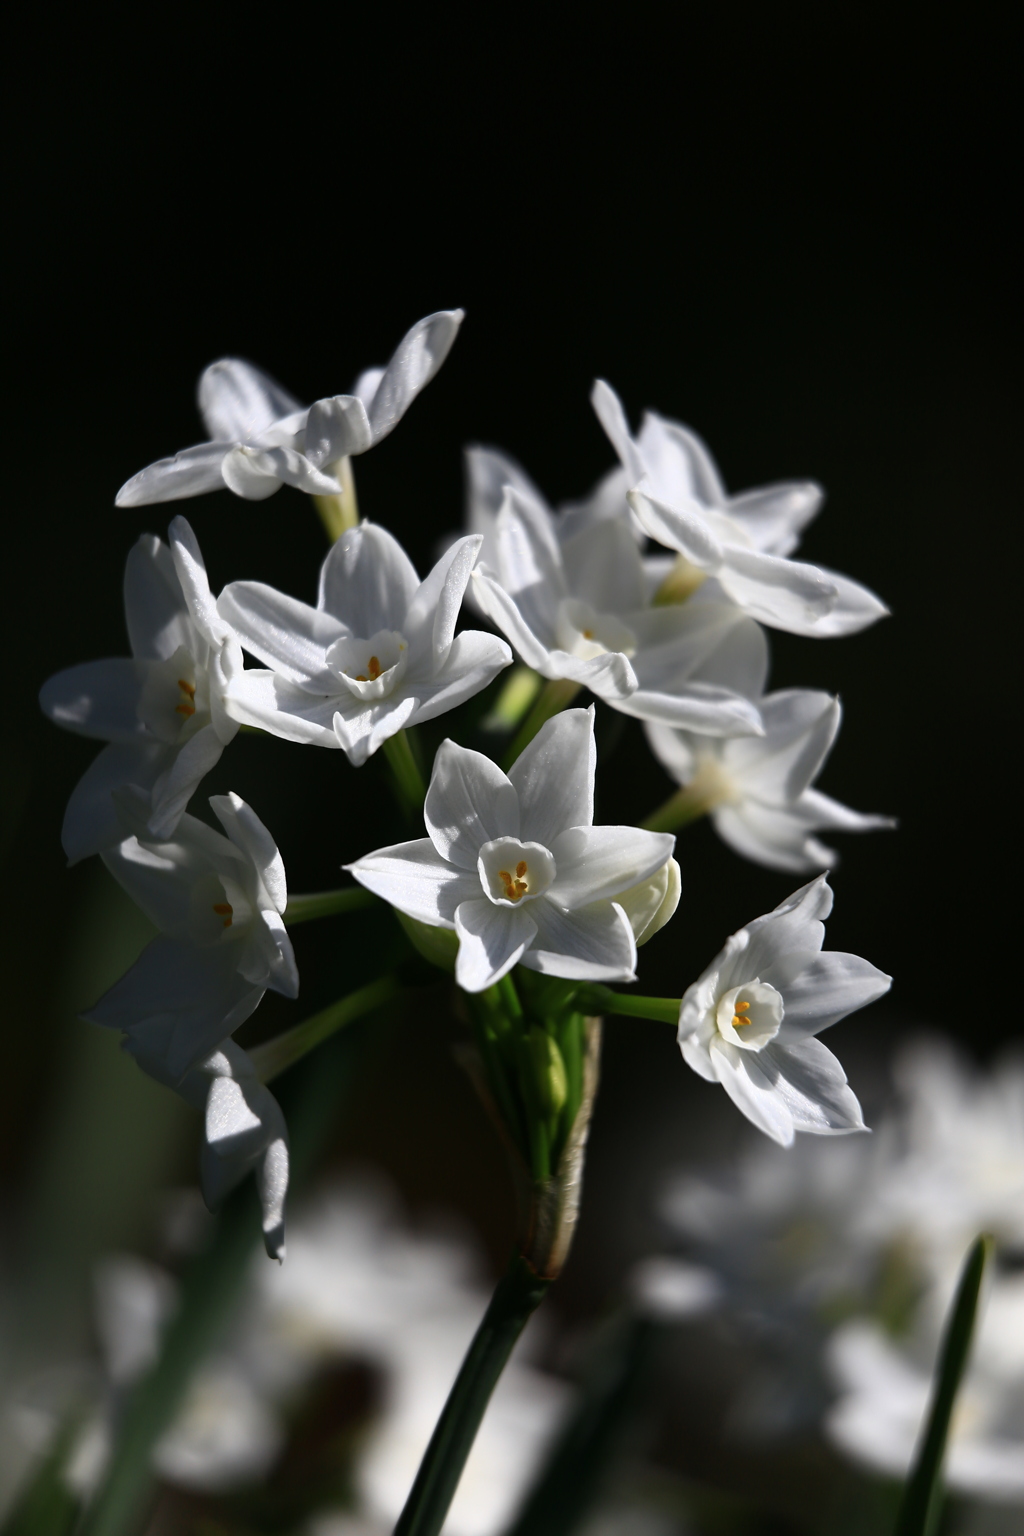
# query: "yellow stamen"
x,y
225,910
588,634
375,669
521,868
186,707
742,1007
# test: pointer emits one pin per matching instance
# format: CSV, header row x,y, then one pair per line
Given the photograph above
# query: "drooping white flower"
x,y
757,789
263,438
514,865
218,902
378,652
750,1021
743,542
162,709
580,610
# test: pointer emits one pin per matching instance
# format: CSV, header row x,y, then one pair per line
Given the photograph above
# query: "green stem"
x,y
339,513
678,810
408,780
557,694
516,1297
662,1010
303,909
520,689
923,1494
274,1056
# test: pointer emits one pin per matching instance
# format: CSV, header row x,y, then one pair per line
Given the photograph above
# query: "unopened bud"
x,y
549,1070
437,945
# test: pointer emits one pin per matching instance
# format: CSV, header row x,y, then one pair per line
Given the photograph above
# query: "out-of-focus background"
x,y
792,230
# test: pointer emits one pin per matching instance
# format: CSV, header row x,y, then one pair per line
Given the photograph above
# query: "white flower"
x,y
757,789
749,1023
885,1392
262,438
162,709
579,610
378,652
218,902
743,542
515,866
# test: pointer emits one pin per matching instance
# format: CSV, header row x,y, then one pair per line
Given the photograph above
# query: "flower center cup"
x,y
173,703
370,669
511,871
219,910
749,1016
585,633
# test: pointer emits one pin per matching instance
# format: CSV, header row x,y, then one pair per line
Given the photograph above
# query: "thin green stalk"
x,y
274,1056
923,1493
516,1297
408,780
510,997
339,513
679,810
662,1010
557,694
519,690
303,909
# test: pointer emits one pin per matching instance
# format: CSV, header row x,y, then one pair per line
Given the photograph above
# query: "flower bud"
x,y
549,1070
439,946
650,904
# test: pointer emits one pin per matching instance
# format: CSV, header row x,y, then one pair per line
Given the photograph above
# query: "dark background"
x,y
790,228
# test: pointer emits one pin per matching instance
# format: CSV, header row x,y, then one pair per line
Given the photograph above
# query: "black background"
x,y
790,228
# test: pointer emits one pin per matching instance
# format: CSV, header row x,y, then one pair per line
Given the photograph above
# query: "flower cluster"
x,y
652,593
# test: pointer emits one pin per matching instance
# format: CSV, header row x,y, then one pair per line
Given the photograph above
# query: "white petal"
x,y
785,594
91,821
248,834
530,561
154,604
474,660
606,501
272,703
796,926
822,812
596,863
367,581
272,1186
554,777
276,955
190,998
813,1086
695,707
753,1090
830,986
774,516
414,878
767,835
855,608
335,429
594,943
491,940
239,402
192,472
603,567
195,585
470,802
361,729
98,699
257,473
182,777
679,462
501,609
609,412
487,473
286,634
800,725
413,364
430,621
680,528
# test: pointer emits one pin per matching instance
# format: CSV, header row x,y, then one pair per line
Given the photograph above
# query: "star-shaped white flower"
x,y
514,865
244,1128
263,438
741,541
162,709
757,789
579,609
749,1023
378,652
219,904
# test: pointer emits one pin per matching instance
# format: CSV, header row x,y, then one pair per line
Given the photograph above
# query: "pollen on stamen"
x,y
737,1021
374,669
521,868
225,910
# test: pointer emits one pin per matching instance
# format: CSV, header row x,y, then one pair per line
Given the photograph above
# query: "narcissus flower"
x,y
578,609
750,1022
741,541
263,438
515,867
219,903
162,709
377,653
757,789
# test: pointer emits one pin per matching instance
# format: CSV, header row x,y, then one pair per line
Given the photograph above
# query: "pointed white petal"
x,y
413,364
679,462
822,812
176,786
682,528
430,622
361,729
469,802
855,608
609,412
796,926
414,878
530,561
774,516
768,835
335,429
830,986
502,610
195,585
474,660
248,833
278,956
593,943
596,863
250,473
91,821
814,1088
286,634
785,594
98,699
272,703
603,566
487,473
192,472
491,940
367,581
154,605
554,777
800,725
239,402
752,1086
695,707
674,749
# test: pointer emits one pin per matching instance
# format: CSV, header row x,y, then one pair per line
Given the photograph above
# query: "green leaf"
x,y
923,1494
